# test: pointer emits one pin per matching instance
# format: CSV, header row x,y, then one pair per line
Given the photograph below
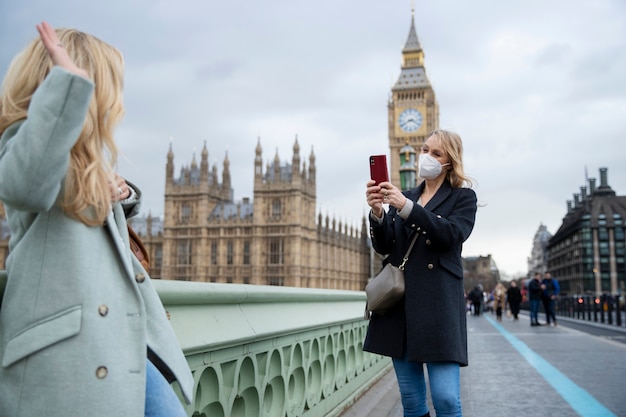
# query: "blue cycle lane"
x,y
519,370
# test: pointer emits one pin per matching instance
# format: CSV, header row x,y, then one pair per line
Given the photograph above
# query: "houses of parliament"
x,y
277,238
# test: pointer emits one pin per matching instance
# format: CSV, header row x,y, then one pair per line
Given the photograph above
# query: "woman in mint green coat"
x,y
82,330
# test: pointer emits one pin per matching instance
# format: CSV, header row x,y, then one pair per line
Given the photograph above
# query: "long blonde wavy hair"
x,y
93,157
452,144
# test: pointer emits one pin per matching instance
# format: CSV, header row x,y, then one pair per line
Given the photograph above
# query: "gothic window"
x,y
276,255
214,253
279,281
246,252
276,209
185,213
229,252
158,256
184,252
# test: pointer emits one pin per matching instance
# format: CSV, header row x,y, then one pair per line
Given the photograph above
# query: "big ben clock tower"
x,y
413,109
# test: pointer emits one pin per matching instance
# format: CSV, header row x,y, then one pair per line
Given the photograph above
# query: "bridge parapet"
x,y
271,351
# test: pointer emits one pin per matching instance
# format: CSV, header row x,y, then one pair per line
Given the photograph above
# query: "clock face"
x,y
410,120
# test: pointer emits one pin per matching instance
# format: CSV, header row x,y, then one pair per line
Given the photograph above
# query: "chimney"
x,y
569,206
576,200
604,182
604,188
583,193
592,186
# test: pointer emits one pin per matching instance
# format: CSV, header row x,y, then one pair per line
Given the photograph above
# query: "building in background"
x,y
274,239
538,259
413,113
480,270
587,253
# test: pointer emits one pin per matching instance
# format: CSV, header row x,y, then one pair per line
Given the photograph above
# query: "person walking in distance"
x,y
514,298
428,327
476,298
550,289
499,300
534,296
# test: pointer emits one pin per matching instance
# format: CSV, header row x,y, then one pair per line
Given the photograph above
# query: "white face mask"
x,y
429,167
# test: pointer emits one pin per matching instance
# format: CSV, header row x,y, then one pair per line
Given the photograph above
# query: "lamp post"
x,y
408,164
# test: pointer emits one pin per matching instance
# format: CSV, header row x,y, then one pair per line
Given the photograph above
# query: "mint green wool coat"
x,y
79,312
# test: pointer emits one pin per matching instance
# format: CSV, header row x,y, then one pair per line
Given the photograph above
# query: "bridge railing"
x,y
605,308
270,351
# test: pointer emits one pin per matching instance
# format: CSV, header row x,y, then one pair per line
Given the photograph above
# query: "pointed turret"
x,y
312,166
276,167
295,161
169,167
413,73
204,165
226,193
258,161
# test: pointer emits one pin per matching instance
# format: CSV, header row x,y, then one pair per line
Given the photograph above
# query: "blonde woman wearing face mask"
x,y
427,329
82,330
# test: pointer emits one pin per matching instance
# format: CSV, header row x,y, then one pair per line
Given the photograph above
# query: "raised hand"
x,y
57,52
119,189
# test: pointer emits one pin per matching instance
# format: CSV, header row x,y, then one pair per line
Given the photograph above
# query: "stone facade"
x,y
480,270
538,259
274,239
587,253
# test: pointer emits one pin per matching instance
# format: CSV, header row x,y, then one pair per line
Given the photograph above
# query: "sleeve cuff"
x,y
378,220
407,209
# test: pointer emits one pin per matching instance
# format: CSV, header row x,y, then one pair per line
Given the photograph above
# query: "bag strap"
x,y
138,249
406,255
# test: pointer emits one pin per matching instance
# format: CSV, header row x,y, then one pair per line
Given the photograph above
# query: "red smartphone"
x,y
378,168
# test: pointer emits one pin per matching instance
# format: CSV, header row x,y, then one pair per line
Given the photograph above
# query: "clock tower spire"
x,y
412,108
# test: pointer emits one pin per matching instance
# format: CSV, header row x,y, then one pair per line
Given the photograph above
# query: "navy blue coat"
x,y
431,320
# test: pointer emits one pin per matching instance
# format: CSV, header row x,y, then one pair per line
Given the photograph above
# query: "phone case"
x,y
378,168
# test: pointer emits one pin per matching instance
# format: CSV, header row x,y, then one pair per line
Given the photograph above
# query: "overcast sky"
x,y
536,89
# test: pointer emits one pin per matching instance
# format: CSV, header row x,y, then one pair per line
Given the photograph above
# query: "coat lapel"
x,y
117,226
440,196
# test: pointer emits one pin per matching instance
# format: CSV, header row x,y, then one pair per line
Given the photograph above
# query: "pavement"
x,y
517,370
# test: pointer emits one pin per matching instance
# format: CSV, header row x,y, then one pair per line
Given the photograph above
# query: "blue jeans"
x,y
445,387
534,311
161,401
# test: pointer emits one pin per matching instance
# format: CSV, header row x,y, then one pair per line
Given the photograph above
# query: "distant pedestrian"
x,y
499,300
476,298
514,298
534,295
551,289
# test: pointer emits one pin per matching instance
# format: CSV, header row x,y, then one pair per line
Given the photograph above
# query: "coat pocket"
x,y
454,267
42,334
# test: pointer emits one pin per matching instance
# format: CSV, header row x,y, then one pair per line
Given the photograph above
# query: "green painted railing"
x,y
270,351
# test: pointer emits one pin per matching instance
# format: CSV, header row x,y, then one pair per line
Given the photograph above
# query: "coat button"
x,y
102,372
428,241
438,216
140,277
430,266
103,309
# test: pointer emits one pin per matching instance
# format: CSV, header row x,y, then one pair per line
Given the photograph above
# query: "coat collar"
x,y
440,196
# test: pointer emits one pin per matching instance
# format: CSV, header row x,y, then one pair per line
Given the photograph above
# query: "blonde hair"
x,y
86,195
452,145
